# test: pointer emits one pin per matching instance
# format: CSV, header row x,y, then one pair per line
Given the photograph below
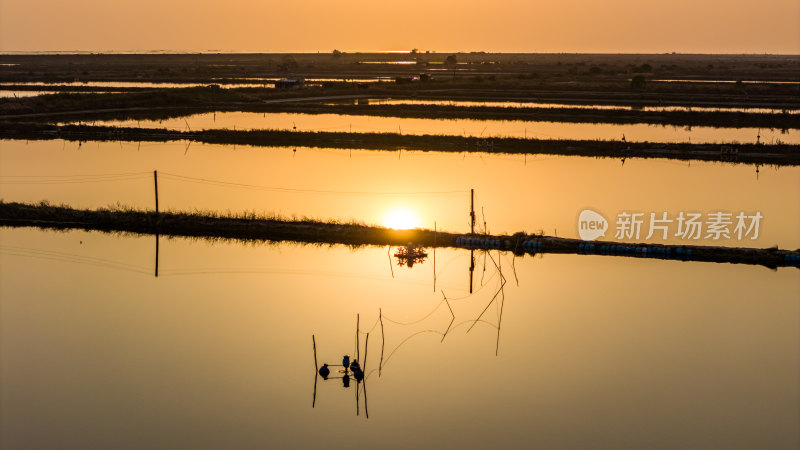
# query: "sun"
x,y
401,219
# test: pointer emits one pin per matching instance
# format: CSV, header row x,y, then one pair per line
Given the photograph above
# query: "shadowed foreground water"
x,y
216,352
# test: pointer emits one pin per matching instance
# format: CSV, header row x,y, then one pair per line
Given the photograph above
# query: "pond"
x,y
420,189
462,127
573,352
533,105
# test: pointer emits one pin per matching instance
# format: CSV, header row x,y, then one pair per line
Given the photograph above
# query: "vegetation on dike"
x,y
778,154
782,120
251,226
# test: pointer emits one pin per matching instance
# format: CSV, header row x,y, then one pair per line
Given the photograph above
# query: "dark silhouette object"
x,y
638,81
346,362
451,60
324,371
410,255
355,365
346,380
358,374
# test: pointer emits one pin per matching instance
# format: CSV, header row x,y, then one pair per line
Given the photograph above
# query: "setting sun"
x,y
401,219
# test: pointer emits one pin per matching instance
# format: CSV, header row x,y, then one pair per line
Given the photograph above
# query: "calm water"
x,y
534,105
251,83
13,94
512,192
132,84
727,81
467,127
592,352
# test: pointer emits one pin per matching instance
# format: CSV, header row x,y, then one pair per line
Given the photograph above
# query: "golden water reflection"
x,y
512,192
216,351
461,127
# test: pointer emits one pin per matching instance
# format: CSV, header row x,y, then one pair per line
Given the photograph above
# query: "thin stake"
x,y
383,341
357,384
502,283
156,255
451,320
471,267
434,256
155,183
358,350
502,302
366,409
314,341
472,210
389,254
366,347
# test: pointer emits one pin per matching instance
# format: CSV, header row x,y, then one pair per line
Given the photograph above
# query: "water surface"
x,y
512,192
536,105
592,351
638,132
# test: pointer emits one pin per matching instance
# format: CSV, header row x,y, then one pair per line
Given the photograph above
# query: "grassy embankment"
x,y
253,227
782,154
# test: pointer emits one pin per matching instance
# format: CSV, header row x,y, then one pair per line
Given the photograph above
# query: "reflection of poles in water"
x,y
314,342
389,255
471,268
366,410
357,383
383,341
366,349
358,374
434,256
358,354
502,296
451,320
494,297
366,346
156,255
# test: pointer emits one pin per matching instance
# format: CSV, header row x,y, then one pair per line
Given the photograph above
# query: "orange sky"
x,y
626,26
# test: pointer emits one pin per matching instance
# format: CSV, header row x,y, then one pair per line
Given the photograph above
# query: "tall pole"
x,y
471,210
434,256
358,351
155,183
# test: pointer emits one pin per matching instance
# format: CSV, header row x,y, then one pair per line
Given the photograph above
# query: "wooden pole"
x,y
366,347
357,385
314,341
383,341
472,210
434,256
471,268
357,346
366,409
155,182
156,255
